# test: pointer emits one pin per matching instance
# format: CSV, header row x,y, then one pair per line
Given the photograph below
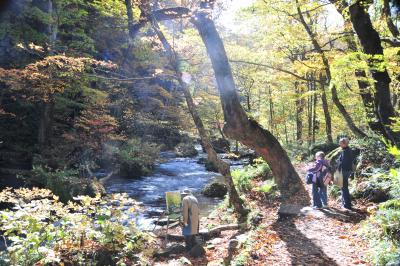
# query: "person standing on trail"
x,y
345,165
319,189
190,213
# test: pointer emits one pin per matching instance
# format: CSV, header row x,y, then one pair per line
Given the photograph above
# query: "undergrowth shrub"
x,y
383,231
383,227
137,158
267,187
243,177
297,152
41,230
373,154
64,183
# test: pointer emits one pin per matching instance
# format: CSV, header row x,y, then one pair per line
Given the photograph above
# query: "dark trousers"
x,y
346,199
320,195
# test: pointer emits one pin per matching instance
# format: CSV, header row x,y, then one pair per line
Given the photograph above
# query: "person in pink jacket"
x,y
319,189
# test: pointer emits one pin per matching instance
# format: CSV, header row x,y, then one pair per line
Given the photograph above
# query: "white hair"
x,y
320,154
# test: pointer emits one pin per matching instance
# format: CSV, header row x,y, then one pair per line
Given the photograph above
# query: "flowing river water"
x,y
171,175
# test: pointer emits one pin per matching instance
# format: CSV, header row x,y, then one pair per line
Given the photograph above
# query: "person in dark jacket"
x,y
345,165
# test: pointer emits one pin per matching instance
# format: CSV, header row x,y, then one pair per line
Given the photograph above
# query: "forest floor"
x,y
318,237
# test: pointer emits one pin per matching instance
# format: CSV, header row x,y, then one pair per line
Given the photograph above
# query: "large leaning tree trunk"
x,y
371,45
335,98
223,167
239,126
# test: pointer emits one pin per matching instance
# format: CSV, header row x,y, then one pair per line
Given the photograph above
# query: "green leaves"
x,y
45,230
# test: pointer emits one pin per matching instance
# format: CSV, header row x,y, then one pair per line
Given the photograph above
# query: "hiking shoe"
x,y
316,208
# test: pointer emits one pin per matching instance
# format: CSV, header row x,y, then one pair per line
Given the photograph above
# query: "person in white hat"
x,y
190,213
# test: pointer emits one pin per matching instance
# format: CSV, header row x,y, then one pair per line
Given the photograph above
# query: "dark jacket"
x,y
346,159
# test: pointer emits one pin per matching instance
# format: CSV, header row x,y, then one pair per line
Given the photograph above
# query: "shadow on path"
x,y
355,216
302,250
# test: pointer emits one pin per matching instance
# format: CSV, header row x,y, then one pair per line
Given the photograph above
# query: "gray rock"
x,y
233,244
185,150
197,251
215,189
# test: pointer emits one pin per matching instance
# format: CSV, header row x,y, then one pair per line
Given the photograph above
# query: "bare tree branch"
x,y
268,66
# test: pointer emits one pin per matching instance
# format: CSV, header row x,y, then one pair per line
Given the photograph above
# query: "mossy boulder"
x,y
186,149
215,189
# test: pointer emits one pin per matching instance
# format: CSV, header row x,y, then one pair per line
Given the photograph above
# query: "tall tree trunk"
x,y
388,18
368,101
45,129
212,156
132,32
239,126
350,123
129,13
299,113
271,111
314,120
371,45
45,124
221,132
367,96
325,107
310,112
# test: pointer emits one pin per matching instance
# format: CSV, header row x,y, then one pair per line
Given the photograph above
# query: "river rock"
x,y
202,160
215,189
185,150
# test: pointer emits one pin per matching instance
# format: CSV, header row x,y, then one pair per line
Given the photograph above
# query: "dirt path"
x,y
325,237
317,237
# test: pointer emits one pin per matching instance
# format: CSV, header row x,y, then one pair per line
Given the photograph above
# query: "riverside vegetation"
x,y
97,91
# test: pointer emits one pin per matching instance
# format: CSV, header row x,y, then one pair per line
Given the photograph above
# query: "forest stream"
x,y
172,174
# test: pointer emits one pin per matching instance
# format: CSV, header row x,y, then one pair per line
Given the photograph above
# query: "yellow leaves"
x,y
15,195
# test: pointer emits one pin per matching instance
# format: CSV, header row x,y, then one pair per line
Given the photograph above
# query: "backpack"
x,y
325,176
309,177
